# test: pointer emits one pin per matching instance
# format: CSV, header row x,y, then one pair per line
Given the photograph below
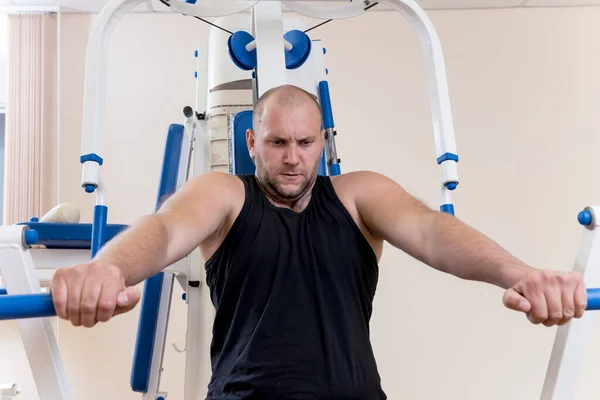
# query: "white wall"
x,y
3,59
524,90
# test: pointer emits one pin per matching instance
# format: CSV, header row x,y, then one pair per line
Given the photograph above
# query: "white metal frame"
x,y
268,32
17,270
572,339
8,391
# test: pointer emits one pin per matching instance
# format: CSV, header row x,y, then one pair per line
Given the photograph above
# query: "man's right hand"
x,y
90,293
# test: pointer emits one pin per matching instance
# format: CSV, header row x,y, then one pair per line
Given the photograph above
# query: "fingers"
x,y
90,294
58,288
75,282
127,300
87,294
581,299
555,297
513,300
554,302
107,302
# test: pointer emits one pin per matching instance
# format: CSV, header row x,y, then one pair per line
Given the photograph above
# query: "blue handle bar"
x,y
22,306
593,299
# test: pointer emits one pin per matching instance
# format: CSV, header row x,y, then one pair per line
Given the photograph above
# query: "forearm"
x,y
455,248
139,251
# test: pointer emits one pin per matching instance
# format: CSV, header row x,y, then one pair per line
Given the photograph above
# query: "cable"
x,y
329,20
201,19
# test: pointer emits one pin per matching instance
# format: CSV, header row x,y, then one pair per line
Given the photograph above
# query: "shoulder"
x,y
360,182
223,191
218,183
374,196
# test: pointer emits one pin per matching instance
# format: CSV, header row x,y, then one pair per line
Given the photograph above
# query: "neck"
x,y
297,204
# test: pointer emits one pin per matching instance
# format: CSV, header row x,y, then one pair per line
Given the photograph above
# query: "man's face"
x,y
286,149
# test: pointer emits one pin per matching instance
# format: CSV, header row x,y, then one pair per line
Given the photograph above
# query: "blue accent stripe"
x,y
2,291
99,228
335,169
447,208
322,165
326,104
144,345
151,297
22,306
170,166
446,157
91,157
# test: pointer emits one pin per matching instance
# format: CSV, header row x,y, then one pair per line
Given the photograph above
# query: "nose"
x,y
291,155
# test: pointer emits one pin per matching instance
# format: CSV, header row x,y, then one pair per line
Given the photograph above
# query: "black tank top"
x,y
293,294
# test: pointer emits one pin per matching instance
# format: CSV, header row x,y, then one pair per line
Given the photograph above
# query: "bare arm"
x,y
447,244
104,287
182,223
435,238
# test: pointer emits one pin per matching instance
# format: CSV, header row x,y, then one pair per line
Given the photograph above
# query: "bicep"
x,y
196,211
392,214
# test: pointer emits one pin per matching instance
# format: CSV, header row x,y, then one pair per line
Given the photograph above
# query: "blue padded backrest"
x,y
242,163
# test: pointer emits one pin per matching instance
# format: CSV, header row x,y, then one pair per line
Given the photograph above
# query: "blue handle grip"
x,y
593,302
22,306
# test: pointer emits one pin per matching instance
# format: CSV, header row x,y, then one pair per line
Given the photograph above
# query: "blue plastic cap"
x,y
326,71
91,157
183,297
34,219
242,58
451,185
196,53
3,291
324,50
190,1
89,188
584,218
195,74
446,157
447,208
301,47
31,236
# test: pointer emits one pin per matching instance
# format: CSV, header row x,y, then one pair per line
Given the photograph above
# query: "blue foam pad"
x,y
242,163
69,236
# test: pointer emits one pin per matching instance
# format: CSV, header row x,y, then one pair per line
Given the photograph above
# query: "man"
x,y
292,263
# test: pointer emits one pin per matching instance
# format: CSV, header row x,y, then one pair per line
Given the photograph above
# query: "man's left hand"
x,y
548,297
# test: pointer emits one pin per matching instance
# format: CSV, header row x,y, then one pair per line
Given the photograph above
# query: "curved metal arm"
x,y
441,113
314,11
92,135
212,8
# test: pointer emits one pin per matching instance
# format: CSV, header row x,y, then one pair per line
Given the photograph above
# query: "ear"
x,y
322,139
250,141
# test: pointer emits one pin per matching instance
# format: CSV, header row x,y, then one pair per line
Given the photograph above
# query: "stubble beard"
x,y
276,191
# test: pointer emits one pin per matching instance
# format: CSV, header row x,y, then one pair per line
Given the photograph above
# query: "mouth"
x,y
291,176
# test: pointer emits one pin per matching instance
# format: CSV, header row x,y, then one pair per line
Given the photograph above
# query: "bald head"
x,y
285,98
286,143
